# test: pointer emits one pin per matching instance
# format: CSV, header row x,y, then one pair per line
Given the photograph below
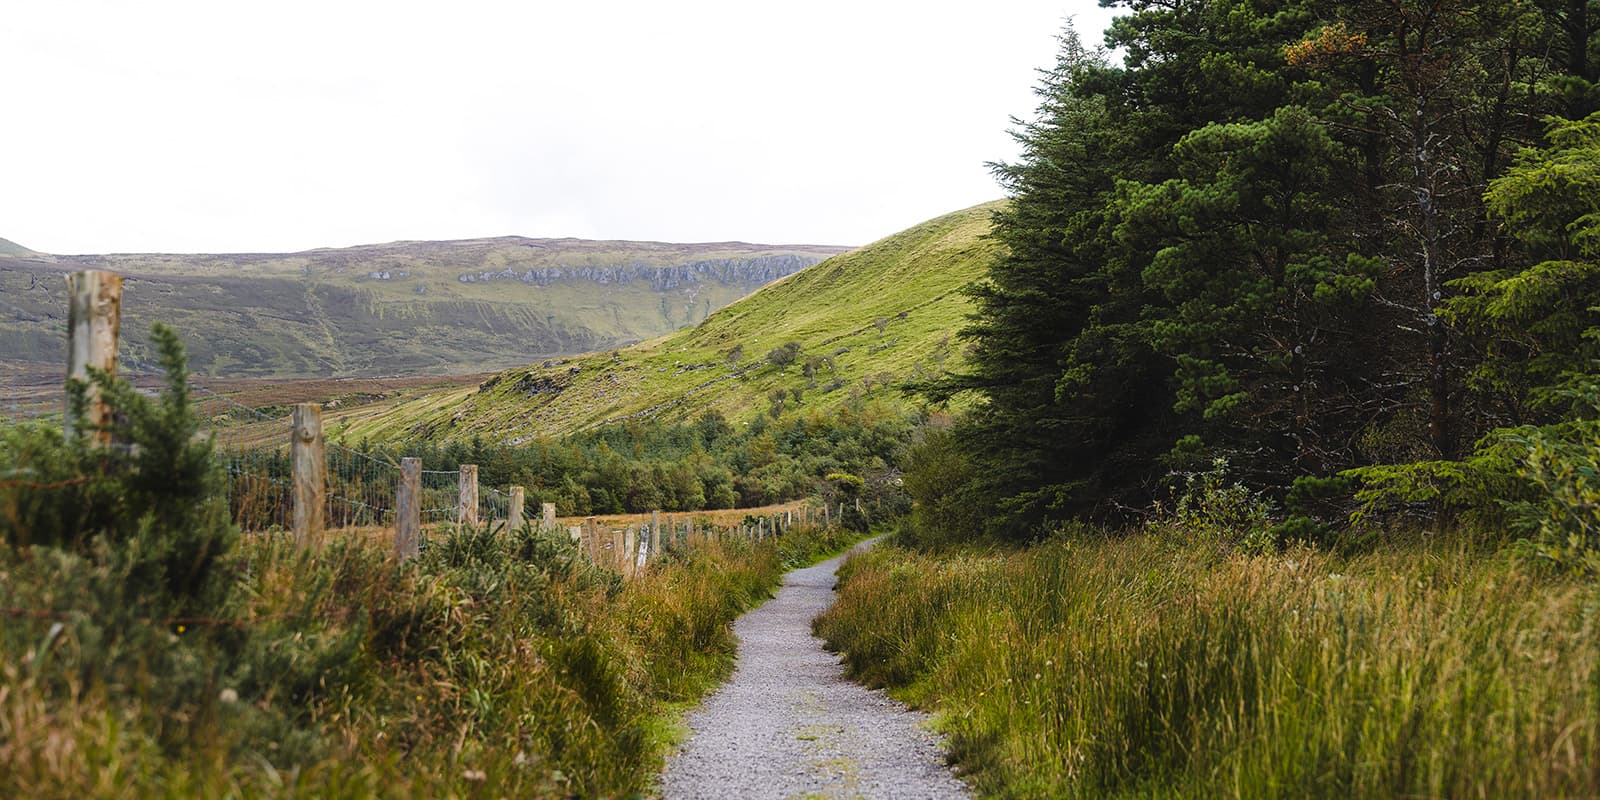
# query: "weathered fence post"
x,y
655,535
631,542
590,540
827,515
467,496
514,515
549,515
408,509
94,320
309,471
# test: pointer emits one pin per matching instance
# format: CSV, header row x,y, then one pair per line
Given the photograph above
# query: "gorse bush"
x,y
148,505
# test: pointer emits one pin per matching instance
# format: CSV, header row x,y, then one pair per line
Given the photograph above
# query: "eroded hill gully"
x,y
788,724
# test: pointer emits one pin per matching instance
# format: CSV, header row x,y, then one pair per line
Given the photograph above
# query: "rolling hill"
x,y
404,308
862,322
10,248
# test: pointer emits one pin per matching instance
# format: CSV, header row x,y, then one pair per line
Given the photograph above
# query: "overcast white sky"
x,y
225,127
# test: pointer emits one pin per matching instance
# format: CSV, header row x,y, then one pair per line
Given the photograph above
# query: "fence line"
x,y
308,484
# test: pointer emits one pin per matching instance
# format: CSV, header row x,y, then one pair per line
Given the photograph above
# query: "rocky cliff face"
x,y
754,271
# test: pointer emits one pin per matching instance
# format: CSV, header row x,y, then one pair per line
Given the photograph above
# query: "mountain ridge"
x,y
425,308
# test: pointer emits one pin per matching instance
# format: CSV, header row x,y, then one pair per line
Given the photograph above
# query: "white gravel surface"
x,y
788,724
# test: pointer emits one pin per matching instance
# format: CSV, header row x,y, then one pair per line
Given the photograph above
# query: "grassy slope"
x,y
322,313
10,248
829,309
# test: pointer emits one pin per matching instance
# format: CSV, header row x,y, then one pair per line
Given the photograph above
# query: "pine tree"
x,y
1250,247
1057,357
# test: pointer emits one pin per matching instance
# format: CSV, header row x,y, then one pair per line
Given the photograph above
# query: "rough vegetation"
x,y
1152,666
146,650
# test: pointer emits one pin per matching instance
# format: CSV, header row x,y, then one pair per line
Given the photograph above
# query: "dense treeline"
x,y
707,464
1345,248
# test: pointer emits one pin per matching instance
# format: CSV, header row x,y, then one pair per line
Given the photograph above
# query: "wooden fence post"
x,y
641,552
630,550
94,321
408,509
467,496
549,510
655,535
514,515
309,470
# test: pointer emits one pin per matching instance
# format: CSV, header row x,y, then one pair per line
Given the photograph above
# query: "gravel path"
x,y
788,724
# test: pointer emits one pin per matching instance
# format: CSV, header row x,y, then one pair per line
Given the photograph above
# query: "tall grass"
x,y
1136,668
492,666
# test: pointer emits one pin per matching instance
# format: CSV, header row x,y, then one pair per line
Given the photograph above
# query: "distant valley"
x,y
404,308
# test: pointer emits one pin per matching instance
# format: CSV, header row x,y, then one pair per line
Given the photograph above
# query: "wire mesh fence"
x,y
361,489
252,445
493,505
440,491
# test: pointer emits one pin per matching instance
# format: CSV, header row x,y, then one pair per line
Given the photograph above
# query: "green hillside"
x,y
865,321
400,308
10,248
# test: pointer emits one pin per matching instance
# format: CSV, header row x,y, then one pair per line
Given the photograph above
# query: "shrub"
x,y
151,501
785,354
1563,518
938,473
1209,509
